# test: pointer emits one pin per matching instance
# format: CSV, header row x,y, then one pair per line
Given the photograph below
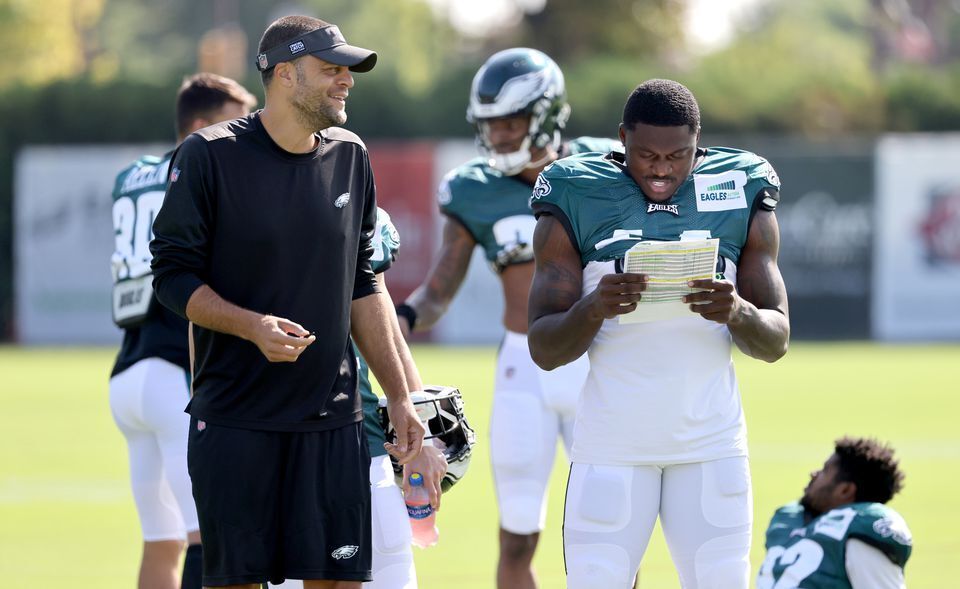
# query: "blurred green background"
x,y
106,71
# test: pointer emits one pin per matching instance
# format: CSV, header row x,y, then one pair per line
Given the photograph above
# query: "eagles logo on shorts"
x,y
345,552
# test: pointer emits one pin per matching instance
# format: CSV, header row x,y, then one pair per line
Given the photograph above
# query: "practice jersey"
x,y
386,243
495,208
813,555
137,196
664,391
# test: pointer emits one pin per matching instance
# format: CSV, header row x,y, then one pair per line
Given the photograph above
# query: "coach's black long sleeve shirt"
x,y
277,233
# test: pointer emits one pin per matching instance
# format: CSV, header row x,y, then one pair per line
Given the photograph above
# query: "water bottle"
x,y
423,521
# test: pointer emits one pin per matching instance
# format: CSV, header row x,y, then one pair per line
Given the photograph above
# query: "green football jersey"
x,y
605,213
137,196
386,243
813,555
138,193
495,209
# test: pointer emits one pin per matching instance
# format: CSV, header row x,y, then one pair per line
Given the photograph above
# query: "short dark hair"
x,y
871,466
662,103
202,94
282,30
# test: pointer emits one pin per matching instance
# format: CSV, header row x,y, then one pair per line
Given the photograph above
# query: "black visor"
x,y
327,43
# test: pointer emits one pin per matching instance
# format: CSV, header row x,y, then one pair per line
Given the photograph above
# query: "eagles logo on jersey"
x,y
813,555
718,200
541,188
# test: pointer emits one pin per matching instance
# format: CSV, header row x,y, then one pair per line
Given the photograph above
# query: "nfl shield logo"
x,y
174,174
262,60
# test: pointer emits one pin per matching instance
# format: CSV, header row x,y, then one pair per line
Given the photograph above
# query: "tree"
x,y
49,40
571,30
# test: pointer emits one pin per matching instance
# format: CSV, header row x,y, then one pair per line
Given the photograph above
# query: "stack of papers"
x,y
669,265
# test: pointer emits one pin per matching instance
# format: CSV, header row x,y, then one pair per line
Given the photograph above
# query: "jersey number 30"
x,y
133,226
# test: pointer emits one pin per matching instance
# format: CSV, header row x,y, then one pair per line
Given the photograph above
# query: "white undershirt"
x,y
869,568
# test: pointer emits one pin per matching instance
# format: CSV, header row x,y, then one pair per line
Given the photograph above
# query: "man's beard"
x,y
809,511
313,112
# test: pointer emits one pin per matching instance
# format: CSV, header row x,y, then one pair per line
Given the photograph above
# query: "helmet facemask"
x,y
440,409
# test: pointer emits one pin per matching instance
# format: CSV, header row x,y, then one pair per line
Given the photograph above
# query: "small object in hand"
x,y
309,333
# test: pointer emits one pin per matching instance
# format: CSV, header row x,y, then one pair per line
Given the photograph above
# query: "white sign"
x,y
916,270
63,239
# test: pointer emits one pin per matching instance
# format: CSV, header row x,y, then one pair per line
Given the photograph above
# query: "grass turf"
x,y
67,517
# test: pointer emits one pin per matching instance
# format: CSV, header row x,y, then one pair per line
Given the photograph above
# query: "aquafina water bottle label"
x,y
419,511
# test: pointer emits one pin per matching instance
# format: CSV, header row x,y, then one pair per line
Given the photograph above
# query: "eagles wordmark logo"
x,y
541,188
344,552
720,192
654,207
342,200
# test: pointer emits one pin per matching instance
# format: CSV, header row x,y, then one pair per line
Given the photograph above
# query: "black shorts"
x,y
277,505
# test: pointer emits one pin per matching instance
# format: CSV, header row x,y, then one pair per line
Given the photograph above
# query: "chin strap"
x,y
547,158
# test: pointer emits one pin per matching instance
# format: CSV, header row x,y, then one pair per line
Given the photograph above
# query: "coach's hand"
x,y
432,465
718,301
408,428
616,294
279,339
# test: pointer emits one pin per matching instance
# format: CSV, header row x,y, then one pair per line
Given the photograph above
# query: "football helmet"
x,y
518,81
441,411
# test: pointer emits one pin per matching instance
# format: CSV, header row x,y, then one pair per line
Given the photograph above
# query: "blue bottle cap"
x,y
416,480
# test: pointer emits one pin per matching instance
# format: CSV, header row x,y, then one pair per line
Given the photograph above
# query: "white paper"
x,y
669,265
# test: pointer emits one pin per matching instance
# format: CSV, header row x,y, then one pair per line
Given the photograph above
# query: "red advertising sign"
x,y
405,176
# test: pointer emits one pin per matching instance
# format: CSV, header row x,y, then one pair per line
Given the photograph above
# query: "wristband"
x,y
409,313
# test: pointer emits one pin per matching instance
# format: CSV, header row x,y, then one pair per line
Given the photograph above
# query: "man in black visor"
x,y
264,244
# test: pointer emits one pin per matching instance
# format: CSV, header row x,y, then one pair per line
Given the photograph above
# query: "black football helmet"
x,y
441,411
518,81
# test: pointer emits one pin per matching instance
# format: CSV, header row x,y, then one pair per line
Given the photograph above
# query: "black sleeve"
x,y
365,281
181,231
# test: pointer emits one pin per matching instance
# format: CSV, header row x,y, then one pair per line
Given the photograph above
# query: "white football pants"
x,y
705,509
532,408
147,402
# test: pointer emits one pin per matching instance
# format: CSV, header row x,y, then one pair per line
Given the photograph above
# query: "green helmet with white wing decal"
x,y
518,81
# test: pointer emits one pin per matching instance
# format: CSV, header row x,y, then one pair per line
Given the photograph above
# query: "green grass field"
x,y
67,518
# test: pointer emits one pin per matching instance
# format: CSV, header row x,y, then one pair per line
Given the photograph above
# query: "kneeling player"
x,y
840,534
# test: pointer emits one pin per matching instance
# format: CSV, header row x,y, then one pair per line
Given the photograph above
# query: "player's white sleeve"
x,y
868,568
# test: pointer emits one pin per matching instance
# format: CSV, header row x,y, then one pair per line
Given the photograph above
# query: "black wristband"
x,y
409,313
